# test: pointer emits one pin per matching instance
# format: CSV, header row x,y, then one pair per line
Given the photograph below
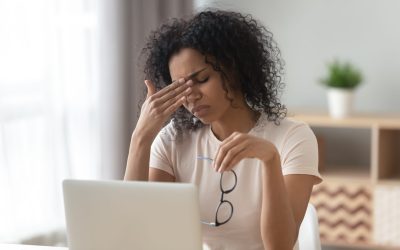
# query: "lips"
x,y
199,108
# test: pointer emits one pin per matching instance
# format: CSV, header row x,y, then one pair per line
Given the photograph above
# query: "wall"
x,y
312,32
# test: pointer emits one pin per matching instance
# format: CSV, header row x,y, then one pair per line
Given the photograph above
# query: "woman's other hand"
x,y
239,146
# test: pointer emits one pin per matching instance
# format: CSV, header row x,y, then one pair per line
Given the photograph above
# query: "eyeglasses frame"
x,y
222,201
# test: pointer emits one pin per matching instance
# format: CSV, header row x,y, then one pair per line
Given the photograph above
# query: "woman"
x,y
218,75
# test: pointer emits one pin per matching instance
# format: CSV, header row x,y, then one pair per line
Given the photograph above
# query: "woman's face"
x,y
208,100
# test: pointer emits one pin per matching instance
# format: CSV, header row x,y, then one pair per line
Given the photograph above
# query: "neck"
x,y
241,119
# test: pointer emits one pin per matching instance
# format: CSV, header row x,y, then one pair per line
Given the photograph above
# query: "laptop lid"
x,y
118,215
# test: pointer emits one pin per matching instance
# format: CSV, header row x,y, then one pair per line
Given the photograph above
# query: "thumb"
x,y
151,89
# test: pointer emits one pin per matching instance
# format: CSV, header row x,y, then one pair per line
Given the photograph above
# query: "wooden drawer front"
x,y
344,212
387,215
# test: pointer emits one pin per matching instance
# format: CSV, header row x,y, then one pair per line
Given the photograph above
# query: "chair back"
x,y
309,231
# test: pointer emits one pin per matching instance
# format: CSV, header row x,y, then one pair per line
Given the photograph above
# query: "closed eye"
x,y
201,81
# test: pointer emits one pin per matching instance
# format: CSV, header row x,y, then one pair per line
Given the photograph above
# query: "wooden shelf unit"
x,y
360,164
385,141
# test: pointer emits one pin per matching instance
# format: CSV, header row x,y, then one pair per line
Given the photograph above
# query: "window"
x,y
48,109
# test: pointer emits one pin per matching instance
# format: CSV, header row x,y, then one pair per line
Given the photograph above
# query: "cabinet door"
x,y
344,212
387,215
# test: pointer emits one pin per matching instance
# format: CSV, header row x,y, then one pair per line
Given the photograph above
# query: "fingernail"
x,y
182,80
190,82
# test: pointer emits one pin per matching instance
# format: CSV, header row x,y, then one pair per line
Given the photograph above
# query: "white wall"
x,y
312,32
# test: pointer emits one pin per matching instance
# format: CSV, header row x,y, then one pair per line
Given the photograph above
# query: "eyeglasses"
x,y
224,210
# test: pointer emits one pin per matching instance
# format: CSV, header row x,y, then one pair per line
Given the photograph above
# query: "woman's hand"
x,y
239,146
159,106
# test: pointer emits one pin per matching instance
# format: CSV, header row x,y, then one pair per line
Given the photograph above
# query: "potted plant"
x,y
341,81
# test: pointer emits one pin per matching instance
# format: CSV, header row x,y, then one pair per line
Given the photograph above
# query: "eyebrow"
x,y
191,75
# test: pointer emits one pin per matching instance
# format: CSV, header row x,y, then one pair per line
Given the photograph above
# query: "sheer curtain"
x,y
49,114
69,87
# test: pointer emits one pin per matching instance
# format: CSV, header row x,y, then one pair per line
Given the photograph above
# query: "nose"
x,y
194,95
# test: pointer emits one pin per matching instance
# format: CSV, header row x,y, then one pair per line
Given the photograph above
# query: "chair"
x,y
309,231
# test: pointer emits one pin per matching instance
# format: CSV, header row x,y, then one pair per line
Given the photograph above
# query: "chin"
x,y
205,120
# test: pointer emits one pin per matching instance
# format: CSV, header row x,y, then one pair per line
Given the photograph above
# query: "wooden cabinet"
x,y
358,201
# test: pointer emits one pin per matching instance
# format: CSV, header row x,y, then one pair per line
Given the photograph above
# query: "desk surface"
x,y
28,247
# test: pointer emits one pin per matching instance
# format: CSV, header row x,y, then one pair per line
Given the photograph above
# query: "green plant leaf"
x,y
342,75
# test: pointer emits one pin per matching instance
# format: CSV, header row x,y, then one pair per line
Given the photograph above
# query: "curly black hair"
x,y
229,41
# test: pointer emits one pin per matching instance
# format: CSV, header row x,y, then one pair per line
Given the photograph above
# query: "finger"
x,y
224,148
175,94
171,101
235,150
166,108
235,160
151,89
172,108
170,87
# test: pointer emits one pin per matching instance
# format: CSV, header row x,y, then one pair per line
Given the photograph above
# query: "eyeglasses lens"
x,y
224,212
228,181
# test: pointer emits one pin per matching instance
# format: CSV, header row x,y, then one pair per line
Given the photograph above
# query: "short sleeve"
x,y
299,154
161,153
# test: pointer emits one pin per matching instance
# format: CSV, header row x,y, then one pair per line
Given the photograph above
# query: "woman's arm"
x,y
285,200
138,163
137,167
156,109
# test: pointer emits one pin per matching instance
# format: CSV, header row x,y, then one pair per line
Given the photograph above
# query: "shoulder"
x,y
296,135
294,130
288,129
284,127
290,125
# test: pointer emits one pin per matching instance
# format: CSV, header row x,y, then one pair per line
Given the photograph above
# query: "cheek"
x,y
217,92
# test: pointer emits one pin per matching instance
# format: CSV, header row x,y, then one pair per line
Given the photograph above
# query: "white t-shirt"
x,y
298,150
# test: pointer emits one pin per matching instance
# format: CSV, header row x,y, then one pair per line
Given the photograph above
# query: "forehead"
x,y
185,62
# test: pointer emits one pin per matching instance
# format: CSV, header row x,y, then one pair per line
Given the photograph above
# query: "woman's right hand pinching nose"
x,y
160,105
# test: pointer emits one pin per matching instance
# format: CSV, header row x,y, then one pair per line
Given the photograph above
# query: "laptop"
x,y
118,215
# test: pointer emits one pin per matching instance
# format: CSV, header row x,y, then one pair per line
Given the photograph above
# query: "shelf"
x,y
344,148
356,121
363,246
342,173
389,182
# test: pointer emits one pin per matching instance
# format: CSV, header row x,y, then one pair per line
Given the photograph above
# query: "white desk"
x,y
28,247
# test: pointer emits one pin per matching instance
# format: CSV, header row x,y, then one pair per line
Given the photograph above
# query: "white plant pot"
x,y
340,102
